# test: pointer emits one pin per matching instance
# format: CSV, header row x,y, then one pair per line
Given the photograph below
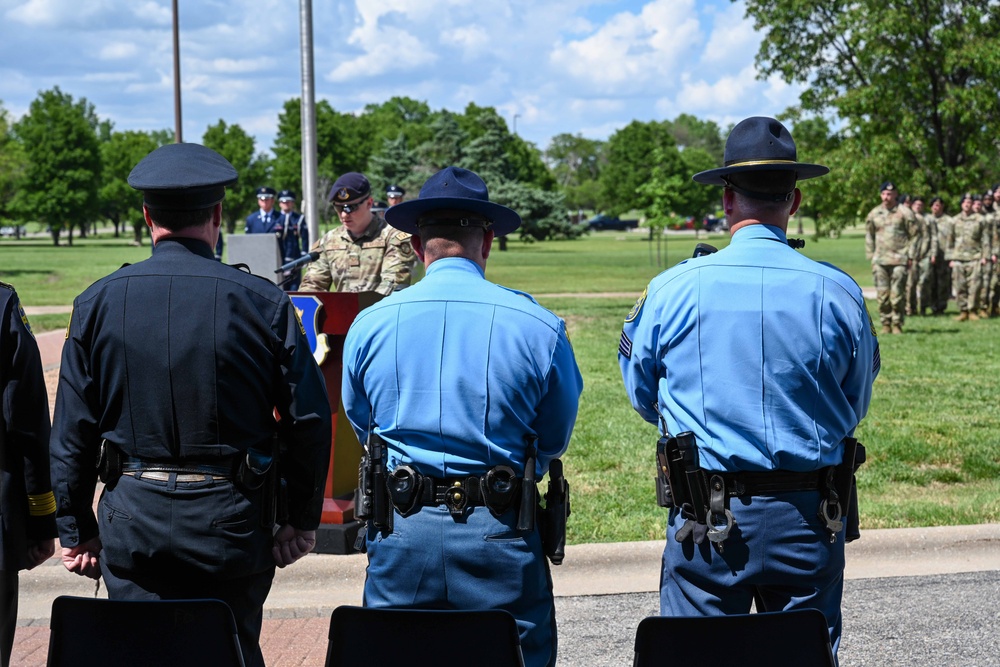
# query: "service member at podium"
x,y
364,254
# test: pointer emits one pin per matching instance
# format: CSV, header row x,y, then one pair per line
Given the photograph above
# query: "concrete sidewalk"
x,y
303,596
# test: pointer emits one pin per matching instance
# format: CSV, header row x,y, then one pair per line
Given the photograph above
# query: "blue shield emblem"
x,y
307,308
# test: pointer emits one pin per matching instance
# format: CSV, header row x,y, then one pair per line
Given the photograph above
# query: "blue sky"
x,y
580,66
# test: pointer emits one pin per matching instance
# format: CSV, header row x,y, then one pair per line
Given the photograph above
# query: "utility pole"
x,y
178,132
309,160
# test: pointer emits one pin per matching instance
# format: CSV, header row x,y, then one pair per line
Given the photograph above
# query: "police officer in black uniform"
x,y
171,373
27,508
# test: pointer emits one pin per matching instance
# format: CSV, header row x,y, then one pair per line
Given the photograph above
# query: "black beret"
x,y
349,187
888,185
182,177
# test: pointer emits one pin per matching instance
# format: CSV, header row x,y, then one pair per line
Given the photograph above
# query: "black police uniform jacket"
x,y
182,359
24,439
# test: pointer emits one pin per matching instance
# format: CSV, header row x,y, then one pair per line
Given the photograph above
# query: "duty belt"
x,y
409,491
768,482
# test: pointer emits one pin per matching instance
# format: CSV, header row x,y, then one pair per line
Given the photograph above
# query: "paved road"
x,y
912,596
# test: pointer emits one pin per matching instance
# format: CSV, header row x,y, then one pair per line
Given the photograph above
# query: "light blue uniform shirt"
x,y
455,371
766,355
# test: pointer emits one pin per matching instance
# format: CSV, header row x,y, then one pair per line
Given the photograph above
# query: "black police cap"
x,y
349,187
394,191
286,195
182,177
265,193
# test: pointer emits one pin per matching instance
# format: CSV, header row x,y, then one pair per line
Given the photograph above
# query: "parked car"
x,y
609,222
12,231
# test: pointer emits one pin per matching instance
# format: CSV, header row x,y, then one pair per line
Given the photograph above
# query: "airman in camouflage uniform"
x,y
364,254
991,213
965,256
891,230
925,248
941,283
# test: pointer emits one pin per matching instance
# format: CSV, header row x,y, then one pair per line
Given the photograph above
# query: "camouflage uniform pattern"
x,y
991,279
965,254
382,260
941,290
889,240
919,281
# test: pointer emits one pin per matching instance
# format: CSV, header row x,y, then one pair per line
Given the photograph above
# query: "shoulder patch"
x,y
637,308
24,318
298,318
402,236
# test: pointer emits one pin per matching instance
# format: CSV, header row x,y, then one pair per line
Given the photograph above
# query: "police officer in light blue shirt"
x,y
767,358
462,378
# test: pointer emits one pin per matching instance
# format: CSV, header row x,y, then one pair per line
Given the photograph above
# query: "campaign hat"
x,y
349,187
759,144
457,189
182,177
286,195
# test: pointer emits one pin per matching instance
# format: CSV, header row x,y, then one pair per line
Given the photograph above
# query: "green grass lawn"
x,y
932,427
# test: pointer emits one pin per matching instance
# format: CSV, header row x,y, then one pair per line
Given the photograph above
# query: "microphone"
x,y
296,263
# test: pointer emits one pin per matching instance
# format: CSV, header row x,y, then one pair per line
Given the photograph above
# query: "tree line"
x,y
904,91
63,167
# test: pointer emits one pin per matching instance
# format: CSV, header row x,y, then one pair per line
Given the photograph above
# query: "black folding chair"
x,y
775,639
88,632
422,638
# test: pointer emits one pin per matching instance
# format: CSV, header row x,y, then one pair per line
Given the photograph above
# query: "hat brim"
x,y
404,216
803,171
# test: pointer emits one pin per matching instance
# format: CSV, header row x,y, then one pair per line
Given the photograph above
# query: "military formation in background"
x,y
921,258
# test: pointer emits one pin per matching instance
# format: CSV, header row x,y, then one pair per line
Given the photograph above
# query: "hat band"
x,y
762,196
753,163
461,222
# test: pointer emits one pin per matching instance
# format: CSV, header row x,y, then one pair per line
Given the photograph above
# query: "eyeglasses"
x,y
347,208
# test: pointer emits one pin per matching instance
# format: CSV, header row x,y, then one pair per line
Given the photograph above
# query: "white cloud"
x,y
242,66
473,39
733,37
721,95
58,13
156,13
118,51
633,51
381,60
109,77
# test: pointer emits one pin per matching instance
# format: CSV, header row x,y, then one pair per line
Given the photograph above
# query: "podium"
x,y
326,317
